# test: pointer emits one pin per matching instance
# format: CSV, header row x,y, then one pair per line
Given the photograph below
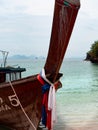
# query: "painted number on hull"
x,y
3,107
13,100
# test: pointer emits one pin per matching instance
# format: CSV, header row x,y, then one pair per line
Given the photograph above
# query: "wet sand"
x,y
90,127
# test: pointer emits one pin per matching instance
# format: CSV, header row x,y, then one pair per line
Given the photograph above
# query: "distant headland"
x,y
92,55
18,56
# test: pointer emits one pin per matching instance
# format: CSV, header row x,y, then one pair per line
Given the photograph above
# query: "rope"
x,y
44,77
22,107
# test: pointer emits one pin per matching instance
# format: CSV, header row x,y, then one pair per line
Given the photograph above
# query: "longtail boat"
x,y
21,99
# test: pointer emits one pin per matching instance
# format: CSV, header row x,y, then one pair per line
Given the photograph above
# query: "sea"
x,y
77,100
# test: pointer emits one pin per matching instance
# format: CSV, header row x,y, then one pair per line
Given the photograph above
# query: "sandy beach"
x,y
91,124
76,128
86,127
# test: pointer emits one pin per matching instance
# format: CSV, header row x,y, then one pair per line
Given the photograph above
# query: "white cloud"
x,y
32,7
90,8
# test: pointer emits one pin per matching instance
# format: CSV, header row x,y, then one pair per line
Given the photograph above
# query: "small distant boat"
x,y
21,98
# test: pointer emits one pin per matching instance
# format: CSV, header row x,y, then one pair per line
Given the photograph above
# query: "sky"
x,y
25,27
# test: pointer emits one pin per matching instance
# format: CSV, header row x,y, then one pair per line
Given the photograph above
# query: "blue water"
x,y
77,100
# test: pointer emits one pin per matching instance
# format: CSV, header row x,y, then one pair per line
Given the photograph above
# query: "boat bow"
x,y
65,13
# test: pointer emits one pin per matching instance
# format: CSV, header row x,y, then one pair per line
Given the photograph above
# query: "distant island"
x,y
92,55
25,57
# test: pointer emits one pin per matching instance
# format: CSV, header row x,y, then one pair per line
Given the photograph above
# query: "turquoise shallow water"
x,y
77,100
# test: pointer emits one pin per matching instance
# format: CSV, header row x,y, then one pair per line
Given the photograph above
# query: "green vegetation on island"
x,y
92,55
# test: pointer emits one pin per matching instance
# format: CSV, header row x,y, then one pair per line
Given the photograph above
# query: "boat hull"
x,y
21,104
21,100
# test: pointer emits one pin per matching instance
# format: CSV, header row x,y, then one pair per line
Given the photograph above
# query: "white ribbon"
x,y
52,103
44,77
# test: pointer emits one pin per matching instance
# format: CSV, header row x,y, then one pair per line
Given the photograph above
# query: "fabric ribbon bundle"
x,y
49,101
